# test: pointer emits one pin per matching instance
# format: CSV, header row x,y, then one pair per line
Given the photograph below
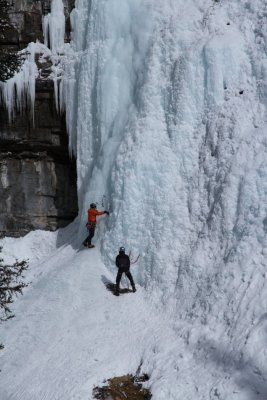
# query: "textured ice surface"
x,y
167,118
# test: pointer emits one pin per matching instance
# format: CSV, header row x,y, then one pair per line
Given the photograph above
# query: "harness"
x,y
90,225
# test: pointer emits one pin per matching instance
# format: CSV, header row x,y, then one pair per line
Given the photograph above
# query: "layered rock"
x,y
37,175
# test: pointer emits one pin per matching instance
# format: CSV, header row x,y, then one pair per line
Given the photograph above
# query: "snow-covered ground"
x,y
166,110
70,333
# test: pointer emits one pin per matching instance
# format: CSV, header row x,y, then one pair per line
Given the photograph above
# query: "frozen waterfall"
x,y
168,119
165,105
167,116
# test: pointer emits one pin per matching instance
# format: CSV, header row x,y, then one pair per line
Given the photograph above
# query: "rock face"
x,y
26,18
37,175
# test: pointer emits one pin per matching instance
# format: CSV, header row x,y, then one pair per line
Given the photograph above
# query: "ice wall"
x,y
166,107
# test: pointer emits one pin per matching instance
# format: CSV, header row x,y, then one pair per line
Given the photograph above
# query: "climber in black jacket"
x,y
123,263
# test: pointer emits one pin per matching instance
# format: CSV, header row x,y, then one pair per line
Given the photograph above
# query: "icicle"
x,y
54,36
56,75
19,91
46,29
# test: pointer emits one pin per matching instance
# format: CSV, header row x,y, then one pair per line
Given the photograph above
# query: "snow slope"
x,y
166,111
70,333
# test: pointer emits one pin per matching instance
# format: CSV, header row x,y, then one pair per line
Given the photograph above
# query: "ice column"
x,y
54,35
54,27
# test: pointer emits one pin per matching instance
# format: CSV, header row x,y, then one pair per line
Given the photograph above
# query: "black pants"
x,y
119,275
91,231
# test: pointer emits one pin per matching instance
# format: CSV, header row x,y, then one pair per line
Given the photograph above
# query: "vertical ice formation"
x,y
54,38
54,27
19,91
99,86
166,107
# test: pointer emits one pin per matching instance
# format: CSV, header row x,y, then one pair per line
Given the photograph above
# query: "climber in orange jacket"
x,y
91,224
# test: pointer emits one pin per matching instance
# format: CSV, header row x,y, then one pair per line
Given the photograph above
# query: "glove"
x,y
106,212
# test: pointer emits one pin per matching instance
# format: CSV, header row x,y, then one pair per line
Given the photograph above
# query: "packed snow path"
x,y
70,333
68,327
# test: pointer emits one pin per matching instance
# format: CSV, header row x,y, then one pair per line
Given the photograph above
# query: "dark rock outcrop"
x,y
38,186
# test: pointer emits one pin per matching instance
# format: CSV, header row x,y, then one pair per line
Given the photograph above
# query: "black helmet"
x,y
92,205
122,249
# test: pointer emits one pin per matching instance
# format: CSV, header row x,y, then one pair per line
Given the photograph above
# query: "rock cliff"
x,y
37,175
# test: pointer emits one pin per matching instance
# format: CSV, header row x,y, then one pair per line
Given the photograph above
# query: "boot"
x,y
134,289
117,291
